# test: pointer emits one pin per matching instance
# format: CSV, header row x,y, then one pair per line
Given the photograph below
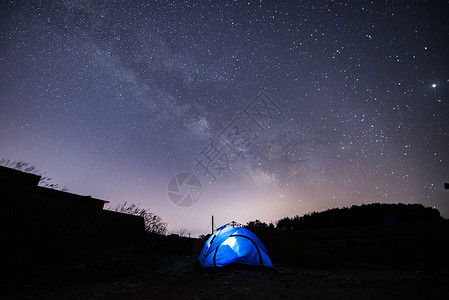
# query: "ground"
x,y
184,279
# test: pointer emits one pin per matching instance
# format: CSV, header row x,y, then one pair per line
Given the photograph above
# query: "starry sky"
x,y
113,98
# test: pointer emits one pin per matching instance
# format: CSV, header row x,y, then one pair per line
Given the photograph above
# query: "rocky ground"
x,y
185,279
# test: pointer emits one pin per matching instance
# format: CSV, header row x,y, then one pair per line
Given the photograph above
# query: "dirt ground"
x,y
184,279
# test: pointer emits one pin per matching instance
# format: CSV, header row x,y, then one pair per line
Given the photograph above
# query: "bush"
x,y
45,181
153,223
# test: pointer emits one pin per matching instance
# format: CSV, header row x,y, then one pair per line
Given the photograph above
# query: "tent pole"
x,y
212,224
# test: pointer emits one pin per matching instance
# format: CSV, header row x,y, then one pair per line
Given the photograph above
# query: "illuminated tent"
x,y
233,245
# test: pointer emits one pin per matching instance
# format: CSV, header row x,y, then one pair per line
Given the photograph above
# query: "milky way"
x,y
113,98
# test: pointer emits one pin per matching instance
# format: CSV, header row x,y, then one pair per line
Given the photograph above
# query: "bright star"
x,y
434,85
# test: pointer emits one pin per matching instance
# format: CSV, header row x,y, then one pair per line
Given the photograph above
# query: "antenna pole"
x,y
212,224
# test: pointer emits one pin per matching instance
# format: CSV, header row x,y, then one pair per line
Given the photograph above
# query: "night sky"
x,y
279,108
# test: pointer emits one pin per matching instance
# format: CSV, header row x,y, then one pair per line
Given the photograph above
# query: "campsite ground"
x,y
184,279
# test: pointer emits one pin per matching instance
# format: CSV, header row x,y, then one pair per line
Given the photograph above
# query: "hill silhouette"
x,y
364,215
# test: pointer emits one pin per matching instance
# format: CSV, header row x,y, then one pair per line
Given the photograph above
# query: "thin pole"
x,y
212,224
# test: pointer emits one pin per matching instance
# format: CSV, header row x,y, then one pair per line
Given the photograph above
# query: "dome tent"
x,y
229,245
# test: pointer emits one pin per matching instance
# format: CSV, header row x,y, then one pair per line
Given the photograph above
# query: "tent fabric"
x,y
233,245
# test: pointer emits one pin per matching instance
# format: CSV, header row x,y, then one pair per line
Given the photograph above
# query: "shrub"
x,y
153,223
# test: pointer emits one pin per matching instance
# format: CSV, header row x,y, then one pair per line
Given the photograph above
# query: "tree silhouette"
x,y
364,215
258,225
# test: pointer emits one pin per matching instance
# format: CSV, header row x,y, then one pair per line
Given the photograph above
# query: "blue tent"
x,y
233,245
